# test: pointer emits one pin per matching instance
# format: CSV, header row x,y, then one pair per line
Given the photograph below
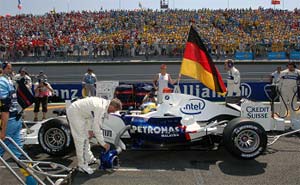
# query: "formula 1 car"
x,y
180,121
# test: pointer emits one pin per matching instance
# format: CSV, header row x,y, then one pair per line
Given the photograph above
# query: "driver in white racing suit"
x,y
233,79
288,87
83,114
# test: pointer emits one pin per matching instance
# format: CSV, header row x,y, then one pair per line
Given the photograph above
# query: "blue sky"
x,y
43,6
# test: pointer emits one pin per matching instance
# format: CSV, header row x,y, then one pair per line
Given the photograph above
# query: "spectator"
x,y
89,82
42,91
130,33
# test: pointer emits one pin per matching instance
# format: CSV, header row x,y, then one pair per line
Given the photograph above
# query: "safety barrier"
x,y
132,94
277,56
295,55
244,56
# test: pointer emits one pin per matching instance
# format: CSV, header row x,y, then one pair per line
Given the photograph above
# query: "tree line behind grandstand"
x,y
148,33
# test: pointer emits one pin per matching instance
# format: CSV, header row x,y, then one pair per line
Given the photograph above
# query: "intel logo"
x,y
195,106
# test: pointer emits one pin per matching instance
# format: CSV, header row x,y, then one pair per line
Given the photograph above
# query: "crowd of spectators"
x,y
148,32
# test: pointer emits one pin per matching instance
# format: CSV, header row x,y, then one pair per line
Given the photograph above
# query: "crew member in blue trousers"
x,y
11,123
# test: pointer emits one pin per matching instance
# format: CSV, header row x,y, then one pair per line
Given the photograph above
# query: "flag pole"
x,y
53,5
68,3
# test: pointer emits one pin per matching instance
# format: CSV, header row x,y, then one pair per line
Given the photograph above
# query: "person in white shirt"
x,y
85,114
275,76
233,79
161,81
89,82
287,87
23,74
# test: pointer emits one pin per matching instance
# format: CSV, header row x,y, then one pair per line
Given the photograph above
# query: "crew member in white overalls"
x,y
288,87
161,81
86,118
275,76
233,79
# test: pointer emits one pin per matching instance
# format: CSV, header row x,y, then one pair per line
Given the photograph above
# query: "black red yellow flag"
x,y
198,64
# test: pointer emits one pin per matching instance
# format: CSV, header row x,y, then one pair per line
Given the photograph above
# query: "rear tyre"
x,y
244,138
55,137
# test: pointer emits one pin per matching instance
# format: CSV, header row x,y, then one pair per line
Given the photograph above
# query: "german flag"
x,y
198,64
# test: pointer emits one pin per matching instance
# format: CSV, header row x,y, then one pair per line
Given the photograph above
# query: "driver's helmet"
x,y
148,107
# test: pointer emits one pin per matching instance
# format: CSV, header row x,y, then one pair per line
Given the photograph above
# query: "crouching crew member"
x,y
84,114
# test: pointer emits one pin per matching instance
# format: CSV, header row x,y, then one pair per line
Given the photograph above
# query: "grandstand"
x,y
246,33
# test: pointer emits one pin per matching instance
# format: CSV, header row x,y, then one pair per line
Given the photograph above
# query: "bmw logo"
x,y
167,97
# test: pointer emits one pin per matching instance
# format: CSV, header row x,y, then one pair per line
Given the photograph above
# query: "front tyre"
x,y
244,138
55,137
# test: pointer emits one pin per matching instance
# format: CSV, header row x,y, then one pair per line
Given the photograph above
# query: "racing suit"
x,y
288,87
8,101
275,77
233,82
89,82
83,114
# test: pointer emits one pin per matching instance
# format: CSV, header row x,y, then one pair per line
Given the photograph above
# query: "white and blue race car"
x,y
180,121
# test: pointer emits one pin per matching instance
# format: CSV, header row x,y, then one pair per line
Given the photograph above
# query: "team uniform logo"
x,y
163,131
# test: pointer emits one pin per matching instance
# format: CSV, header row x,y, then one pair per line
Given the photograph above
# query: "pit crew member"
x,y
11,123
287,88
275,76
83,114
233,79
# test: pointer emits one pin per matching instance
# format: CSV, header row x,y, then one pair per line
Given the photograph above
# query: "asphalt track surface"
x,y
142,71
279,165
